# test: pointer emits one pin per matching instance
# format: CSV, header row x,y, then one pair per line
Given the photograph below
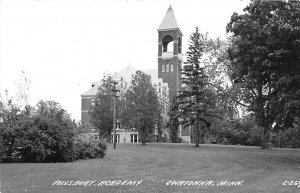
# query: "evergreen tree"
x,y
196,104
174,123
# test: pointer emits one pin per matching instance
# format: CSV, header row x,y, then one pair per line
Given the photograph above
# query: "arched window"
x,y
170,46
167,67
163,68
172,67
167,43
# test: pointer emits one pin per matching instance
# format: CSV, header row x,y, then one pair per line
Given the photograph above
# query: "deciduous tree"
x,y
101,112
142,106
264,59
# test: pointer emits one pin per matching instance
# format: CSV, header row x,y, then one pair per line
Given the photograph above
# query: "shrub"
x,y
36,139
176,139
32,136
86,146
45,134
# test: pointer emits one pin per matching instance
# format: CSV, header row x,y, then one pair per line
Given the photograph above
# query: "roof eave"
x,y
169,29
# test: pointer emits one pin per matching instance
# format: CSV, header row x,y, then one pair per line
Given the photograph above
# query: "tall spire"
x,y
169,21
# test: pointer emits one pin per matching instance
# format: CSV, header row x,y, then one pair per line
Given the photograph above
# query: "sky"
x,y
63,46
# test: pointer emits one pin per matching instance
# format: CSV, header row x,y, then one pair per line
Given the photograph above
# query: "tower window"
x,y
167,67
163,68
167,43
172,67
170,46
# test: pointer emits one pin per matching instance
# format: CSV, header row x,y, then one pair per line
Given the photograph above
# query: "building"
x,y
169,53
166,79
123,78
170,60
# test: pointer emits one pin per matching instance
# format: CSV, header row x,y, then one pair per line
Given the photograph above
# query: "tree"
x,y
197,101
22,93
264,62
174,122
142,106
101,112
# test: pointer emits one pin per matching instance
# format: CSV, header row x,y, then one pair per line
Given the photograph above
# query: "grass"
x,y
157,164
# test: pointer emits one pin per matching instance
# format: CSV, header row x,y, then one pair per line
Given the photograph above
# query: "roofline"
x,y
169,29
87,96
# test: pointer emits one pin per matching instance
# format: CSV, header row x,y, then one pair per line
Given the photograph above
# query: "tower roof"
x,y
169,21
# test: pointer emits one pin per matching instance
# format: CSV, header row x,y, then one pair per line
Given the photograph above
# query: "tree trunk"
x,y
143,139
197,134
265,137
202,135
278,138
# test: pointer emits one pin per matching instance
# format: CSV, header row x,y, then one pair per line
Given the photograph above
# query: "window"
x,y
167,67
118,138
92,102
163,68
172,67
134,138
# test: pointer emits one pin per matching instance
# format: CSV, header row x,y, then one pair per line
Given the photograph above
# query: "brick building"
x,y
166,79
123,78
170,60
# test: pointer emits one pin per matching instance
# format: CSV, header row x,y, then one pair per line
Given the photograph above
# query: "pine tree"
x,y
196,103
174,123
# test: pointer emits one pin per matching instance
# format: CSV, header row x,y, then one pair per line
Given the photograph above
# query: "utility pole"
x,y
114,115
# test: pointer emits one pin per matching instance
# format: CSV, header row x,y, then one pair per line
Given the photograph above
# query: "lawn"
x,y
162,168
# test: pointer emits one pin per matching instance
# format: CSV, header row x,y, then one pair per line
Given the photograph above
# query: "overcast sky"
x,y
65,45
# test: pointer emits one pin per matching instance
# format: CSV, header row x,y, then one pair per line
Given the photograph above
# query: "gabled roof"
x,y
169,21
126,74
92,91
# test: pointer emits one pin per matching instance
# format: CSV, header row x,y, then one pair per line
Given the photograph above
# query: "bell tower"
x,y
169,53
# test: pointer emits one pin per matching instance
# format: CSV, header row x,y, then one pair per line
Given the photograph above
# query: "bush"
x,y
45,134
36,139
86,146
176,139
